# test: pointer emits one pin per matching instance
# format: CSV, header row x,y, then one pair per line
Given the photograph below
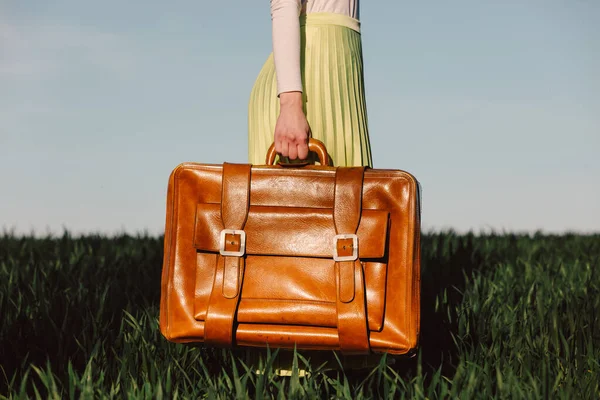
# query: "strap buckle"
x,y
222,242
354,256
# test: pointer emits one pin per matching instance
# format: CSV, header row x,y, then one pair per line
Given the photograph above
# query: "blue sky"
x,y
493,105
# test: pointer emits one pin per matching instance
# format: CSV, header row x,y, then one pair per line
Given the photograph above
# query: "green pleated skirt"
x,y
334,95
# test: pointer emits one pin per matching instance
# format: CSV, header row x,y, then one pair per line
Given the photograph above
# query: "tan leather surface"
x,y
351,301
273,293
291,231
291,297
287,312
287,336
375,287
224,296
352,318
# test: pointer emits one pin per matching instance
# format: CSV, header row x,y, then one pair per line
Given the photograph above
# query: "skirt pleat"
x,y
333,96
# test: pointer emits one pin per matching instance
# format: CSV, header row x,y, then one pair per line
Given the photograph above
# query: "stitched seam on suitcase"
x,y
288,300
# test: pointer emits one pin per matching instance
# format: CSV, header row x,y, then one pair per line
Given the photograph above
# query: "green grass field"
x,y
503,316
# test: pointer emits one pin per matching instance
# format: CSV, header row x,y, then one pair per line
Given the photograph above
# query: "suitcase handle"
x,y
313,145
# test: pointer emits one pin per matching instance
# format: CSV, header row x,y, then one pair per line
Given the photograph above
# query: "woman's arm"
x,y
286,44
292,130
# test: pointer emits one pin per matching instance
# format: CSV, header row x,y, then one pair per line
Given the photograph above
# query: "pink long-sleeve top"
x,y
286,35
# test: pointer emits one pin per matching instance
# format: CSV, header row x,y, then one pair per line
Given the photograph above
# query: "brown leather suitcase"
x,y
312,256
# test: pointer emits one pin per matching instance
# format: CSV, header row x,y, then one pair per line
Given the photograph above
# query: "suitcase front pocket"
x,y
299,294
289,275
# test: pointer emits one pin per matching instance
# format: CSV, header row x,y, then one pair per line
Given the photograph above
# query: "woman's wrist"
x,y
291,100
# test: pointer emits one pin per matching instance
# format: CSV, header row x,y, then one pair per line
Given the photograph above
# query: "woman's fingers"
x,y
302,150
285,148
280,138
293,151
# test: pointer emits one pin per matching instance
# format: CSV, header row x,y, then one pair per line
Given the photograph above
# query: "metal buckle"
x,y
354,255
242,249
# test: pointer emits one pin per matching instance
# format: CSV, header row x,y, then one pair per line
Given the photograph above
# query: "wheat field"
x,y
503,316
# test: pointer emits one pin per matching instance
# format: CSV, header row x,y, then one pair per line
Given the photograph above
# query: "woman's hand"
x,y
292,130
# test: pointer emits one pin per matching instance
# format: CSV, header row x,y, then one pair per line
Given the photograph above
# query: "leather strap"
x,y
224,297
351,304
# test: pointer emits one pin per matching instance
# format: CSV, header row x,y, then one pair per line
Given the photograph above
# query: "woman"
x,y
312,84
